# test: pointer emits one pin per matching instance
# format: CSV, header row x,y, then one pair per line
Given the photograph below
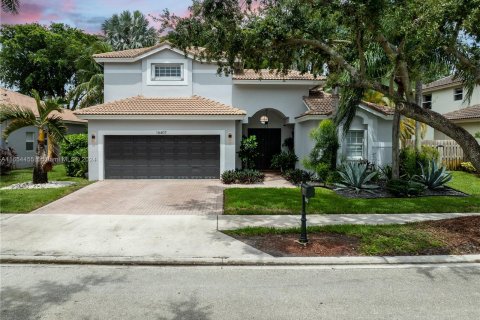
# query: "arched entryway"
x,y
272,129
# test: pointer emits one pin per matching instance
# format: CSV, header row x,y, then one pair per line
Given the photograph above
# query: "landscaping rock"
x,y
30,185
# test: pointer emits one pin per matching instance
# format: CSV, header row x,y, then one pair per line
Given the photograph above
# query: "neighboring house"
x,y
168,115
24,140
447,96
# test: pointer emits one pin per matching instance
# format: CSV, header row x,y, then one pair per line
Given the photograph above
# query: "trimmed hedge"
x,y
75,154
296,176
242,176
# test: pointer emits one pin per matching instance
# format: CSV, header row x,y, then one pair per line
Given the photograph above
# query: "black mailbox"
x,y
308,191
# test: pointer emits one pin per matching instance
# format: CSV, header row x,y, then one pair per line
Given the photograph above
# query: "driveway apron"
x,y
151,197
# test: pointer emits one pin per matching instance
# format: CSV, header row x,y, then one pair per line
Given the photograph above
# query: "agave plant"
x,y
433,177
356,176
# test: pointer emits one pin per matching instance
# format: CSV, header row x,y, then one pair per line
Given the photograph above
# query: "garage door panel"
x,y
156,157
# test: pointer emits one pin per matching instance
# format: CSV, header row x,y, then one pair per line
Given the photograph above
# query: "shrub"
x,y
288,143
249,176
411,160
333,177
248,152
322,170
242,176
75,154
468,167
386,172
297,176
356,176
405,188
229,176
284,161
433,177
326,145
7,160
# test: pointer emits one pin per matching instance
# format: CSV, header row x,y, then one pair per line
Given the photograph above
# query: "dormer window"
x,y
167,72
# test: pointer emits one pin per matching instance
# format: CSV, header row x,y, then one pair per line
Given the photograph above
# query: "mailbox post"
x,y
308,192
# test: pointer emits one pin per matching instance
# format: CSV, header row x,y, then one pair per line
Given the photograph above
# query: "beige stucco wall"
x,y
443,102
471,127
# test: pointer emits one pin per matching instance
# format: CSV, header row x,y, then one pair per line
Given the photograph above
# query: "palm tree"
x,y
408,127
408,130
89,90
377,98
10,6
129,31
49,125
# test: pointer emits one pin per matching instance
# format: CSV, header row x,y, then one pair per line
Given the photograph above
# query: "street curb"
x,y
225,261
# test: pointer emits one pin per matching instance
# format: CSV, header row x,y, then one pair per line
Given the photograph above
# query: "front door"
x,y
269,144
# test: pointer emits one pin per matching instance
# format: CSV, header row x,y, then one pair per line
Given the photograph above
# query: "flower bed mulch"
x,y
457,235
384,193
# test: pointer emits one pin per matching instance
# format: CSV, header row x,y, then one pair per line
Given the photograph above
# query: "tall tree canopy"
x,y
129,31
384,45
41,58
90,80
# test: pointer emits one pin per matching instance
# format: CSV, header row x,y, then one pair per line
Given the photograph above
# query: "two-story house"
x,y
447,96
168,115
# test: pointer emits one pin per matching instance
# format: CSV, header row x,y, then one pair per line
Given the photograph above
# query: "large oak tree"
x,y
36,57
384,45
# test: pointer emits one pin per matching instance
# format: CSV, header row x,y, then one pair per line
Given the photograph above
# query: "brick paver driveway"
x,y
199,197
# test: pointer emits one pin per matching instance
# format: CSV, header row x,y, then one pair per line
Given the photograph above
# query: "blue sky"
x,y
87,14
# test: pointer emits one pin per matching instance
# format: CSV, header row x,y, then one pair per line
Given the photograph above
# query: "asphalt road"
x,y
201,293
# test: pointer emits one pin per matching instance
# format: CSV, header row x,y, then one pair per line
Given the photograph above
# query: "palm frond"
x,y
56,128
17,118
15,124
10,6
347,107
49,106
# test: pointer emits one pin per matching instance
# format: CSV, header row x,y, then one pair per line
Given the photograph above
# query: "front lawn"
x,y
450,236
26,200
251,201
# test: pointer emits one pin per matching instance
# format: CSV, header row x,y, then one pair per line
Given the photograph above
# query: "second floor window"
x,y
427,101
167,71
457,94
29,141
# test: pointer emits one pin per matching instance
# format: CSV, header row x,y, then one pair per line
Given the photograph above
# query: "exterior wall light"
x,y
264,120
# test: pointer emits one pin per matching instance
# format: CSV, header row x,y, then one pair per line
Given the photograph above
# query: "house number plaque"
x,y
161,131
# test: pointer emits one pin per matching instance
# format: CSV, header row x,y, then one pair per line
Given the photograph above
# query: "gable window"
x,y
29,139
167,71
458,94
355,144
427,101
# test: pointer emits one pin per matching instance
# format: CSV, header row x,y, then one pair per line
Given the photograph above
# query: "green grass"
x,y
378,240
20,201
248,201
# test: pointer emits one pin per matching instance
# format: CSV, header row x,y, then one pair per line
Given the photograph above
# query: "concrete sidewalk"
x,y
135,236
230,222
155,239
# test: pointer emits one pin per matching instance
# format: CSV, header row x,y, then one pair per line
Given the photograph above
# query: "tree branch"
x,y
328,50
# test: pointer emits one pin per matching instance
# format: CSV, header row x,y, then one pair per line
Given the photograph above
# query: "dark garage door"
x,y
162,157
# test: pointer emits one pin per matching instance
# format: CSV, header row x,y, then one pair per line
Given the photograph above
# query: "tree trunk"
x,y
396,145
469,144
418,124
40,175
